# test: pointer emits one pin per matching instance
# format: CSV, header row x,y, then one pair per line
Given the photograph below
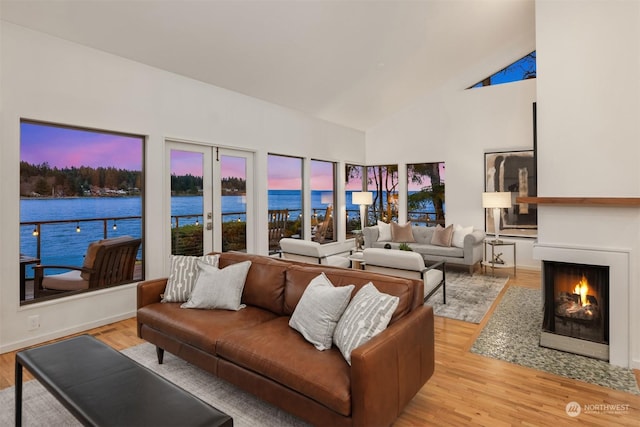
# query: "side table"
x,y
357,260
492,261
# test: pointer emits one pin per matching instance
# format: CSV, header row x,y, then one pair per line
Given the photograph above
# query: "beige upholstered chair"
x,y
406,264
107,262
335,254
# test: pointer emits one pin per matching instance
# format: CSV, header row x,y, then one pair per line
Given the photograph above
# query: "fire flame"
x,y
581,289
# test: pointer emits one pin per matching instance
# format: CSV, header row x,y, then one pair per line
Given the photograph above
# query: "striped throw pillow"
x,y
368,314
183,275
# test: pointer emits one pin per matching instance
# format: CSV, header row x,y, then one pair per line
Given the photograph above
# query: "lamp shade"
x,y
362,198
496,200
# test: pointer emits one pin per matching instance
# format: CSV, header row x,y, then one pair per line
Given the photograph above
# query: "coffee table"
x,y
100,386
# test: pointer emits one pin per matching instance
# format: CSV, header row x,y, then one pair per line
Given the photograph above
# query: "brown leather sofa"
x,y
255,349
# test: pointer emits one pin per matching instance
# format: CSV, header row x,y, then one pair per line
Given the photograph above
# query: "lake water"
x,y
61,244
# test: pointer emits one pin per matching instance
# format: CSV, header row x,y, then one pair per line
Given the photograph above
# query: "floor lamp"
x,y
364,199
496,201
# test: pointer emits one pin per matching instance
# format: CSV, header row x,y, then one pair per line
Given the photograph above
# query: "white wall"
x,y
458,126
589,129
48,79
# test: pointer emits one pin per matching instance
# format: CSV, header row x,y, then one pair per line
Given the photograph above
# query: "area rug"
x,y
42,409
513,333
469,297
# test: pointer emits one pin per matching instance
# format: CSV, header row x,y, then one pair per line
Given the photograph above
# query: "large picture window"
x,y
284,176
323,200
382,180
355,181
77,186
425,198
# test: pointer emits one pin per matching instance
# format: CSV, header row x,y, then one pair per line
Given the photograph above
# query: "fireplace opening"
x,y
576,308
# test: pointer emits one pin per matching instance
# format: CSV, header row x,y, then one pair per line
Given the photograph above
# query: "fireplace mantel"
x,y
591,201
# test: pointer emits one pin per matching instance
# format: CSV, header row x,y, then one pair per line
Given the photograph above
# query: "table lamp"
x,y
496,201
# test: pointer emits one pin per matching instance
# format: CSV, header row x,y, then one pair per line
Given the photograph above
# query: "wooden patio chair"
x,y
324,231
108,262
277,226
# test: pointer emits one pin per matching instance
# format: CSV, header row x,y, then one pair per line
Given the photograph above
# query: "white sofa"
x,y
407,264
470,253
335,254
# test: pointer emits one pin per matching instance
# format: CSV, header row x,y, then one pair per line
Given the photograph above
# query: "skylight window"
x,y
523,69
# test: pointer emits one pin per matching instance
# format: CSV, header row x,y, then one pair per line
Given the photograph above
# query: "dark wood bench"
x,y
102,387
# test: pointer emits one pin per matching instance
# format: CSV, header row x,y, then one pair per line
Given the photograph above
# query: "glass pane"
x,y
322,201
354,176
425,201
233,176
186,203
77,186
382,180
285,198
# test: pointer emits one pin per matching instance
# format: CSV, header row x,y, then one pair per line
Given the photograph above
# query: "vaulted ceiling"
x,y
348,62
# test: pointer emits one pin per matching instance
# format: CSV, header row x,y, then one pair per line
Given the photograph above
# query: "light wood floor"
x,y
466,389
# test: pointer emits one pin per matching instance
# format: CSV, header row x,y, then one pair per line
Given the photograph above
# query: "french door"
x,y
211,195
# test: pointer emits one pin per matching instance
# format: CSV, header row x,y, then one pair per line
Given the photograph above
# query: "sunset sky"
x,y
67,147
64,147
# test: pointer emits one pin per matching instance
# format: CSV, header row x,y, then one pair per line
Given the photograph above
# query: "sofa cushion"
x,y
442,235
438,251
218,288
264,286
423,235
183,272
298,277
319,310
367,315
268,348
199,328
402,233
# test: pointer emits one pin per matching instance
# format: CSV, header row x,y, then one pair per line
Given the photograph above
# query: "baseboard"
x,y
16,345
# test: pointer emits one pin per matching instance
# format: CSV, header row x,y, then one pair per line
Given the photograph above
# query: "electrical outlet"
x,y
33,322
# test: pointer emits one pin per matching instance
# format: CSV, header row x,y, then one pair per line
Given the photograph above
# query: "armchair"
x,y
334,254
107,262
407,264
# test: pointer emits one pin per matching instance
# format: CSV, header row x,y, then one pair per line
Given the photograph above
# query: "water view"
x,y
63,244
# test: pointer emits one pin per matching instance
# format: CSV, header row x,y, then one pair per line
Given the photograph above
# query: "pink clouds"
x,y
69,147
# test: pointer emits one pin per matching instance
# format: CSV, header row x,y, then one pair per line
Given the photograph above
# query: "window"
x,y
284,174
382,180
77,186
323,200
425,198
523,69
354,176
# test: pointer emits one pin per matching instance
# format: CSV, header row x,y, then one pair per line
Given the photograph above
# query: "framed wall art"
x,y
513,171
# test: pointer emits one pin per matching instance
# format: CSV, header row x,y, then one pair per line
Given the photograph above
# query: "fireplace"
x,y
576,308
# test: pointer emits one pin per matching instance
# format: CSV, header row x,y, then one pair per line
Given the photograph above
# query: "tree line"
x,y
44,180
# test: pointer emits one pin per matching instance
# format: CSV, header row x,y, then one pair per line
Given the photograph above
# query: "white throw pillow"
x,y
319,310
384,232
182,276
368,314
459,233
219,288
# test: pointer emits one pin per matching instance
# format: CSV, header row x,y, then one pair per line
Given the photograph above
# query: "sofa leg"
x,y
160,354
